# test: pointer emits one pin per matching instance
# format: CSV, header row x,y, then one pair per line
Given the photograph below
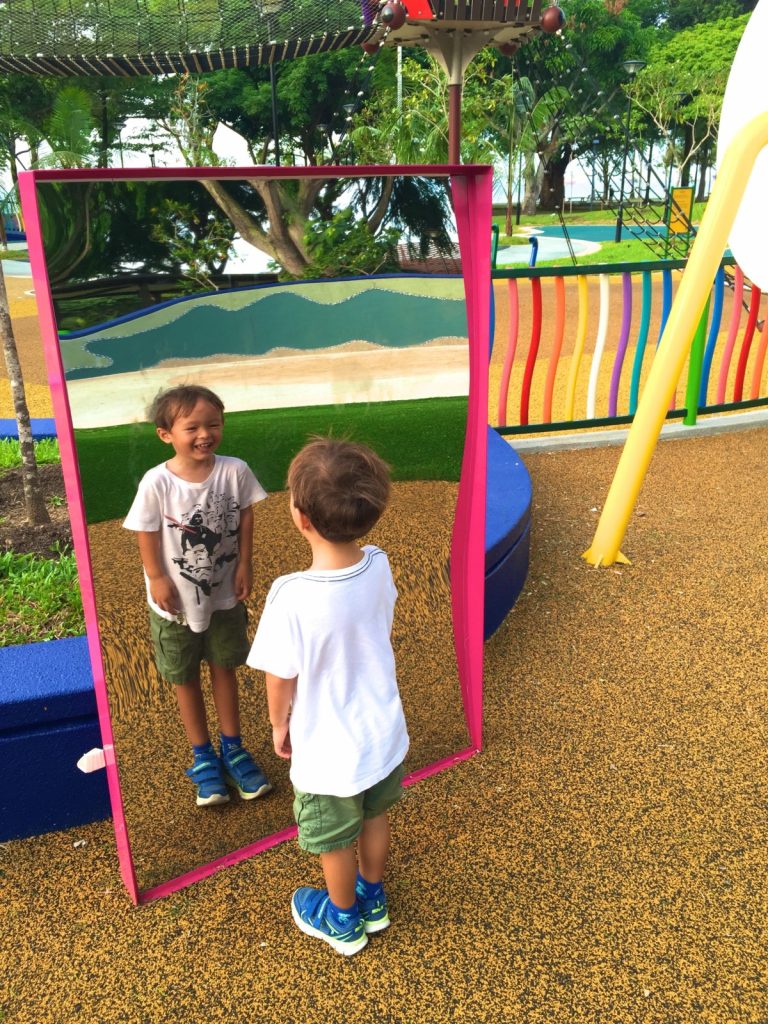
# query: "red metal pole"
x,y
454,123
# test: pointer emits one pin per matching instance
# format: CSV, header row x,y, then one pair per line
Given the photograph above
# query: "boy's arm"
x,y
279,698
244,569
161,587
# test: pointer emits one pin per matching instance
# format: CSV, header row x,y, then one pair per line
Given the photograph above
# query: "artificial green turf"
x,y
421,440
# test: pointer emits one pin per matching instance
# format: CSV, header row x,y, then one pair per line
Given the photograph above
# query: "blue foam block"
x,y
508,499
504,584
40,429
45,682
507,531
43,789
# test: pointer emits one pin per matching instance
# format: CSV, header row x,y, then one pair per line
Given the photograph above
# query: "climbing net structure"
x,y
157,37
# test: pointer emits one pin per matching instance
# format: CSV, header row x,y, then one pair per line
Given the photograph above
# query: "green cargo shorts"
x,y
329,823
179,651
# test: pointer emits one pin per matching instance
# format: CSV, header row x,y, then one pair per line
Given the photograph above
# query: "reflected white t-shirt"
x,y
198,524
331,629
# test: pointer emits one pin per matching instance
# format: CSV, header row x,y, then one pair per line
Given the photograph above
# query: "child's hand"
x,y
243,580
281,739
165,595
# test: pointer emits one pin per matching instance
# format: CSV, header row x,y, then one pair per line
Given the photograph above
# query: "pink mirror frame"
x,y
471,192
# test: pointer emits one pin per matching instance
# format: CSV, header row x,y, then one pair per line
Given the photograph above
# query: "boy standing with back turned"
x,y
324,644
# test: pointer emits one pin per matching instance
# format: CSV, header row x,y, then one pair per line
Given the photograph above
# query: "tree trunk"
x,y
552,195
104,129
37,513
701,193
510,182
278,244
533,176
685,174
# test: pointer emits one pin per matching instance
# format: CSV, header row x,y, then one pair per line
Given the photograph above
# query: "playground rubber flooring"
x,y
603,859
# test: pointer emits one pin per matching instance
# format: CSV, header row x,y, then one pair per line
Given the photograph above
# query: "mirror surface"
x,y
346,330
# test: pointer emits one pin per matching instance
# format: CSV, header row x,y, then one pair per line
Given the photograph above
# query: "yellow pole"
x,y
707,251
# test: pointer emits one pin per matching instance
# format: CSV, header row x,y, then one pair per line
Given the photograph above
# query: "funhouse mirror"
x,y
349,301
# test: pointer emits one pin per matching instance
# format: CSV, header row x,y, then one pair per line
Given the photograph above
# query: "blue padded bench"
x,y
507,530
47,722
40,429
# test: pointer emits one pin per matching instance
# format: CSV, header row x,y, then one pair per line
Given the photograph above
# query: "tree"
x,y
311,95
25,102
586,62
681,89
37,513
279,218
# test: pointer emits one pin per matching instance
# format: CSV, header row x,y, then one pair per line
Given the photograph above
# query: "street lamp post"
x,y
271,8
631,67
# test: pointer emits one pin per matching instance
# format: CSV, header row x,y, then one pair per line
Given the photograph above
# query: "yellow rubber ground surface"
x,y
604,859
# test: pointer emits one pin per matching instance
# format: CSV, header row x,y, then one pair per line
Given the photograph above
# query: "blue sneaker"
x,y
207,776
373,910
310,912
242,772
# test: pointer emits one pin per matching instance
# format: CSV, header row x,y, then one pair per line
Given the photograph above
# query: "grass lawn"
x,y
595,216
629,250
14,254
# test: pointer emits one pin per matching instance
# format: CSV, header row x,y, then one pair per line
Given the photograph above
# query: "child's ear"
x,y
164,435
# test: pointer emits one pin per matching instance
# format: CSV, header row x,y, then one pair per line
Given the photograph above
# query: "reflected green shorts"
x,y
331,822
179,651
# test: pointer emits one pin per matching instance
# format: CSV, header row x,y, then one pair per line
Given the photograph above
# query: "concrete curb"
x,y
753,420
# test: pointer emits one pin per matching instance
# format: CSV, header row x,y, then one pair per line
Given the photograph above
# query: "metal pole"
x,y
617,237
668,200
519,188
455,82
399,77
273,87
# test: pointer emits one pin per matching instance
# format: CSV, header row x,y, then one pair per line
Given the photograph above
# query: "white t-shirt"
x,y
331,628
198,524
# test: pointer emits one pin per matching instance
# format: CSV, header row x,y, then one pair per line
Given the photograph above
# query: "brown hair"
x,y
341,486
168,405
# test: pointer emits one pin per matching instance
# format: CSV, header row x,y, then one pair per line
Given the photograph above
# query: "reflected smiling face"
x,y
196,435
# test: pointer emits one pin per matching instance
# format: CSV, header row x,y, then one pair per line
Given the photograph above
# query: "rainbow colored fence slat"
x,y
642,341
557,344
714,332
578,353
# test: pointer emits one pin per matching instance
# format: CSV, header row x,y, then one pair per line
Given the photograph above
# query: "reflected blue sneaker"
x,y
314,913
207,775
242,772
372,904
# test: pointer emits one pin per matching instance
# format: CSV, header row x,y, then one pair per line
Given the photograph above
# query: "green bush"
x,y
39,598
46,451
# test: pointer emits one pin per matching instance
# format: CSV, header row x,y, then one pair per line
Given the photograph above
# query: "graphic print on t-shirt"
x,y
207,537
